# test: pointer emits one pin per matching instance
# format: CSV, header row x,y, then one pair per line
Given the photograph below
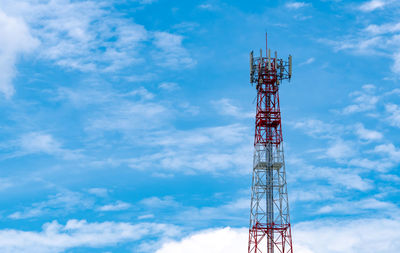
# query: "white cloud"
x,y
100,192
169,86
116,111
389,158
156,202
171,53
318,129
378,165
141,77
360,235
141,92
100,93
391,178
233,212
34,212
186,107
189,151
394,114
372,5
366,134
146,216
205,150
382,29
211,241
361,206
315,194
79,233
82,97
213,161
389,150
38,142
361,45
146,1
15,40
5,183
340,149
72,35
207,6
396,64
364,100
127,116
185,26
66,201
378,40
86,36
296,5
329,236
225,107
117,206
308,61
346,178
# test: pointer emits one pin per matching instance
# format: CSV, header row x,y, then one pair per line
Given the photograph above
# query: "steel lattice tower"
x,y
269,229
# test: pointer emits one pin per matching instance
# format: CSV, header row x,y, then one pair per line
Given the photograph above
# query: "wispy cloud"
x,y
372,5
82,36
340,149
363,100
127,116
171,52
296,5
146,216
16,39
320,193
5,183
318,129
383,29
389,150
63,202
100,192
207,6
359,207
159,202
198,150
379,40
117,206
393,111
225,107
396,64
146,1
38,143
346,178
72,36
308,61
168,86
366,134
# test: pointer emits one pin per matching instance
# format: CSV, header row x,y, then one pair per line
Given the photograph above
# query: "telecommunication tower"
x,y
269,229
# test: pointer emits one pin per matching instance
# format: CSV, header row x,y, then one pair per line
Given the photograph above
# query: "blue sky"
x,y
127,126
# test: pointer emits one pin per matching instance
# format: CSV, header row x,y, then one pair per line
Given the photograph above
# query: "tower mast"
x,y
269,229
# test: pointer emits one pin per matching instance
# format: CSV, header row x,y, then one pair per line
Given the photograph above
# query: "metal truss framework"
x,y
269,229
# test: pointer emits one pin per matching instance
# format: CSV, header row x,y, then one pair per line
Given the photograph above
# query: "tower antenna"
x,y
269,229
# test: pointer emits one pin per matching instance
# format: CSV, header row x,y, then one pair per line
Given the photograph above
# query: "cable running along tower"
x,y
269,229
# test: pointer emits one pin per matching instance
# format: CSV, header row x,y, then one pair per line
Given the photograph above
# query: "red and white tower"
x,y
269,229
